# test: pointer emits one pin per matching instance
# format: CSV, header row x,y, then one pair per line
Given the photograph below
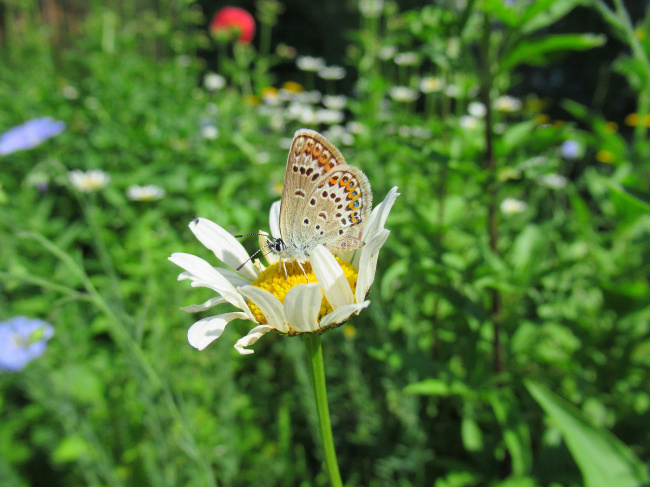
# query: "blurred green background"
x,y
508,338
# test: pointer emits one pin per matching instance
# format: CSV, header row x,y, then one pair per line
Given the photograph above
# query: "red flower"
x,y
230,19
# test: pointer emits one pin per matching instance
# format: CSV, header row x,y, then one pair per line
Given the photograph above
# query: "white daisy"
x,y
507,104
431,84
335,102
407,59
403,94
88,181
213,81
477,109
286,303
553,181
511,206
309,63
149,192
331,72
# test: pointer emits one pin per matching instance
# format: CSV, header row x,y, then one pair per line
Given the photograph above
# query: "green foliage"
x,y
512,261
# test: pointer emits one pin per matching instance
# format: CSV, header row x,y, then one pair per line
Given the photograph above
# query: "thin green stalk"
x,y
317,371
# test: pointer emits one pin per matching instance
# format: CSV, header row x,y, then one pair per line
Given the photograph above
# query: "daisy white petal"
x,y
368,264
270,306
205,331
379,215
343,313
232,277
204,275
274,219
251,338
210,303
226,247
302,305
331,277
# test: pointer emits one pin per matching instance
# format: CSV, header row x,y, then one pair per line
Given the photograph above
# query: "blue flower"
x,y
21,341
30,134
570,149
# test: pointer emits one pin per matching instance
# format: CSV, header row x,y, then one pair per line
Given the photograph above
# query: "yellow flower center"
x,y
274,280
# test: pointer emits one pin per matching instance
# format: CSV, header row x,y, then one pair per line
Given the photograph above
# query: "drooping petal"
x,y
274,219
377,221
210,303
205,331
331,277
270,306
379,214
226,247
302,305
251,338
368,264
343,313
204,275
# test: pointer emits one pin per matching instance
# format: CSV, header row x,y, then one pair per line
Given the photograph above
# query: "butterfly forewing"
x,y
324,200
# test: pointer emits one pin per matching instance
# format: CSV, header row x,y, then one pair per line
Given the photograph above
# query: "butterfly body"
x,y
325,201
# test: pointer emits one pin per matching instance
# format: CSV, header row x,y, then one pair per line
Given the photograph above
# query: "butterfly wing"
x,y
337,209
311,156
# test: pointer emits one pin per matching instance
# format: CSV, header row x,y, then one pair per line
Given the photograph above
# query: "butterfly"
x,y
325,201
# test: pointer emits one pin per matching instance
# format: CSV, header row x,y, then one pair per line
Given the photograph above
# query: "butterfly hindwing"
x,y
337,208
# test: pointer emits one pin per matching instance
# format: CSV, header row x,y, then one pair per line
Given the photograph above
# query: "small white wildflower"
x,y
511,206
431,84
403,94
332,72
553,181
88,181
468,122
335,102
329,117
70,92
420,132
213,81
339,135
500,127
209,132
309,63
355,127
371,8
507,104
387,52
477,109
149,192
452,91
407,59
313,96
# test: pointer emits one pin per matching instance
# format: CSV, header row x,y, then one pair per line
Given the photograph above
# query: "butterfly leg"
x,y
303,271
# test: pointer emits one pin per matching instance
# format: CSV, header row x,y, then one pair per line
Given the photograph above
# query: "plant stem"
x,y
490,162
317,372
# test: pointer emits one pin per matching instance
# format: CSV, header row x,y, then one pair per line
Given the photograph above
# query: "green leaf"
x,y
603,459
516,434
536,52
542,13
437,387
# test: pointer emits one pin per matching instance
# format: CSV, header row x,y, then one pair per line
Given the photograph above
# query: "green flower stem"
x,y
317,371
